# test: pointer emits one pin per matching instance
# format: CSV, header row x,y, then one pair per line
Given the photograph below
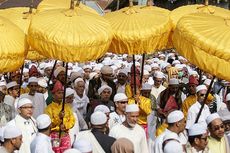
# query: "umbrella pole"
x,y
134,73
142,67
206,96
31,6
200,75
55,63
20,81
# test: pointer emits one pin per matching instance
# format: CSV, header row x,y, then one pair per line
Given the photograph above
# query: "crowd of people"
x,y
113,106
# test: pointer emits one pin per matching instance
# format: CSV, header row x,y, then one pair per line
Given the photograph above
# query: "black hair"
x,y
191,139
44,130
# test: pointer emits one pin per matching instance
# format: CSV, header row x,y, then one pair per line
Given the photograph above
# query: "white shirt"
x,y
121,88
80,103
156,91
115,119
193,112
136,135
41,144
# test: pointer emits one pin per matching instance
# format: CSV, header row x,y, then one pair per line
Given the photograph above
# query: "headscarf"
x,y
122,145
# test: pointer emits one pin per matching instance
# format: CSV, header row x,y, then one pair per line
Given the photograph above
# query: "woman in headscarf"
x,y
122,145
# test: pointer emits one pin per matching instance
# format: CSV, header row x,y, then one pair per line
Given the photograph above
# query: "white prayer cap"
x,y
207,82
102,108
43,121
225,115
173,147
171,135
193,73
120,97
11,84
228,97
146,72
48,65
11,131
23,101
42,82
173,81
175,62
106,70
137,64
124,71
146,86
161,55
131,108
197,129
92,75
155,65
75,75
212,117
159,74
78,80
179,66
175,116
83,146
148,68
25,70
155,60
33,80
98,118
2,83
72,151
201,87
87,67
102,88
58,70
69,91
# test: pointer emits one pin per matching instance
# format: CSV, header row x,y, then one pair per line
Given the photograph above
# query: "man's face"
x,y
173,89
192,89
105,95
217,129
86,73
132,118
80,87
122,78
58,95
201,95
129,59
14,91
202,142
26,110
120,105
26,77
146,93
15,77
157,82
47,71
182,124
33,87
61,76
4,89
107,77
17,142
69,99
145,78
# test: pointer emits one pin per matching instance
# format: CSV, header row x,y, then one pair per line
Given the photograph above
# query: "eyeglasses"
x,y
121,76
202,95
27,107
218,127
123,102
15,88
205,139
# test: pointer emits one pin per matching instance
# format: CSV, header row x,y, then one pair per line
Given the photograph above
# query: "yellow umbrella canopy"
x,y
13,46
139,30
205,41
22,17
61,4
71,35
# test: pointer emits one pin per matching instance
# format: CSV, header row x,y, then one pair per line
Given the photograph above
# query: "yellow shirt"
x,y
145,109
53,111
216,146
188,102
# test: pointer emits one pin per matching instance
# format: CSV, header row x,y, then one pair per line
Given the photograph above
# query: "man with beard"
x,y
131,130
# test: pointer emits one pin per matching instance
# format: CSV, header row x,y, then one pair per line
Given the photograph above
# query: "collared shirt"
x,y
115,119
216,146
41,144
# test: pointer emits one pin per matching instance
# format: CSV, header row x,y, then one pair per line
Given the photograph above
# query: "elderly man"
x,y
122,78
12,139
193,111
26,123
131,130
217,141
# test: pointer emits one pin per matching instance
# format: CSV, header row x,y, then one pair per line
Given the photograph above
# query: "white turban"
x,y
43,121
175,116
102,88
23,101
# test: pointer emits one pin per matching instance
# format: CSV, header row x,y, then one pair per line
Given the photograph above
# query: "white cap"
x,y
212,117
72,151
11,84
48,65
173,147
173,81
23,101
155,65
148,68
83,146
131,108
102,88
146,86
228,97
2,83
124,71
201,87
42,82
175,116
11,131
25,70
43,121
58,70
179,66
69,91
98,118
197,129
102,108
207,82
120,97
175,62
106,70
78,80
159,74
33,79
87,67
92,75
146,72
193,73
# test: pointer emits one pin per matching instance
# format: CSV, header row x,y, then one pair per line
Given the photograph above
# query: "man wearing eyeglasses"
x,y
217,141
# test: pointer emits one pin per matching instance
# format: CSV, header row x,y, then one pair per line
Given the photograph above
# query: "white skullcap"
x,y
25,70
83,146
69,91
33,79
11,131
197,129
2,83
146,86
228,97
48,65
173,147
173,81
155,60
23,101
155,65
179,66
87,67
175,62
106,70
124,71
137,64
175,116
146,72
161,55
58,70
102,108
201,87
11,84
98,118
207,82
171,135
148,68
193,73
120,97
159,74
131,108
78,80
72,151
102,88
43,121
92,75
212,117
42,82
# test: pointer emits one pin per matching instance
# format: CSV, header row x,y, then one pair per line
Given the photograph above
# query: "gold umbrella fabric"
x,y
21,17
60,4
205,41
70,35
138,30
13,46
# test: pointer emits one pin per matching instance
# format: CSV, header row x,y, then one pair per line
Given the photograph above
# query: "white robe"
x,y
81,103
115,119
41,144
156,91
136,135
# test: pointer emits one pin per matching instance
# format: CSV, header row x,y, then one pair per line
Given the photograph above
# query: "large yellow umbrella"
x,y
138,30
21,16
204,40
13,46
71,35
